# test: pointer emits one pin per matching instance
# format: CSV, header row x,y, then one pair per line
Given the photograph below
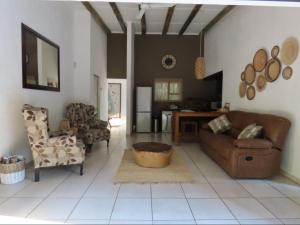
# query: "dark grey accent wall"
x,y
116,56
149,50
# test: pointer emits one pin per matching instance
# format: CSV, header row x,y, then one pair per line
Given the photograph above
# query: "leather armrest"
x,y
253,143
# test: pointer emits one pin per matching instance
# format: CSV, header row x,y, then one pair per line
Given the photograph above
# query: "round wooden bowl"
x,y
152,154
260,60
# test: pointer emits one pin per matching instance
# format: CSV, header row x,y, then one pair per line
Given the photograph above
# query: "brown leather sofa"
x,y
247,158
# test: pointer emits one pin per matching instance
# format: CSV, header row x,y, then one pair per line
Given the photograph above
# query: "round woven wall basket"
x,y
289,51
261,82
242,89
250,74
250,92
287,72
260,60
273,69
275,51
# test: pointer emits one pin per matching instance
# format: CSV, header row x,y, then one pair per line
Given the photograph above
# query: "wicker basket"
x,y
12,173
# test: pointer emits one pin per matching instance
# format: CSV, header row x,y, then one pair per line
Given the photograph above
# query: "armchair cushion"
x,y
253,143
62,141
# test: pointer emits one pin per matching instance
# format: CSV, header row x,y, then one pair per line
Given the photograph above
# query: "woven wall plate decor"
x,y
250,92
260,60
250,74
273,69
289,51
242,89
243,76
275,51
261,82
287,72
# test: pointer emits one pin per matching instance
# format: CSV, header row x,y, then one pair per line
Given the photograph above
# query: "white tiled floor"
x,y
62,196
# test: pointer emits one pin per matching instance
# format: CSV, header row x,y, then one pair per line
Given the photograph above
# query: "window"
x,y
168,90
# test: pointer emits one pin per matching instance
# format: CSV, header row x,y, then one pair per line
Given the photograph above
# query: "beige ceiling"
x,y
155,17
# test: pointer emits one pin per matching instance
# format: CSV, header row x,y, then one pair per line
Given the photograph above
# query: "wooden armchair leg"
x,y
81,169
37,175
107,142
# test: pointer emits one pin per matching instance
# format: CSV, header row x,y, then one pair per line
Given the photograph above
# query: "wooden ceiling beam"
x,y
118,15
168,20
193,13
143,23
96,16
217,18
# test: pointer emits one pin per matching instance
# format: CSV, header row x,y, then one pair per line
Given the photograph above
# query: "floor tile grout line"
x,y
152,216
115,201
92,181
188,203
228,198
211,186
44,199
251,195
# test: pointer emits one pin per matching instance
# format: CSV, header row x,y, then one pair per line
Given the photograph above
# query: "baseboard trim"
x,y
290,176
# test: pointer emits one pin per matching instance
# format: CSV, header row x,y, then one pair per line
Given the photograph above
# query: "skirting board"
x,y
290,176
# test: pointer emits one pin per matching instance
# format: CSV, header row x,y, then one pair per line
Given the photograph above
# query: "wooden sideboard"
x,y
176,134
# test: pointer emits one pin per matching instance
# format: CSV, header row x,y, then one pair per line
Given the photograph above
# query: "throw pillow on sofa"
x,y
251,131
220,124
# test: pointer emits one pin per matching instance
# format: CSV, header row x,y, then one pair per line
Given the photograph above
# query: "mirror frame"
x,y
25,29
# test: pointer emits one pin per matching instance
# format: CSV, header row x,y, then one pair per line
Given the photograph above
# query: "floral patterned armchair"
x,y
50,151
90,128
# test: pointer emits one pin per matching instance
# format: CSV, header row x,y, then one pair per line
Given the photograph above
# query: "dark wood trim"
x,y
118,15
193,13
97,17
217,18
143,23
168,20
24,29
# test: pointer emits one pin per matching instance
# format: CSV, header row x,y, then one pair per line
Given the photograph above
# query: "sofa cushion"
x,y
220,124
220,143
233,132
275,127
253,143
251,131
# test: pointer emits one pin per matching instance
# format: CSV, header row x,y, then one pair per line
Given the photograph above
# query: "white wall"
x,y
53,20
82,55
231,45
123,83
90,50
99,65
130,75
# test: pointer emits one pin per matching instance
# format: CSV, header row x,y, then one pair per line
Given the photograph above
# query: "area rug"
x,y
130,172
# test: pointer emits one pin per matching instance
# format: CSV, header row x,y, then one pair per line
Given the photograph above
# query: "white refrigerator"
x,y
143,109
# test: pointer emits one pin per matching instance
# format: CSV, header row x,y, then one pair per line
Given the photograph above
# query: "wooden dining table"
x,y
177,115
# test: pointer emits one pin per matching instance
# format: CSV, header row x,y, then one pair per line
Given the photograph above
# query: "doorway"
x,y
117,102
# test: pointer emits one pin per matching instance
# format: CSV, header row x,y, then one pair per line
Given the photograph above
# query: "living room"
x,y
65,160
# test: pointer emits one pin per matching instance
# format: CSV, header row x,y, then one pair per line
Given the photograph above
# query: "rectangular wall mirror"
x,y
40,61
